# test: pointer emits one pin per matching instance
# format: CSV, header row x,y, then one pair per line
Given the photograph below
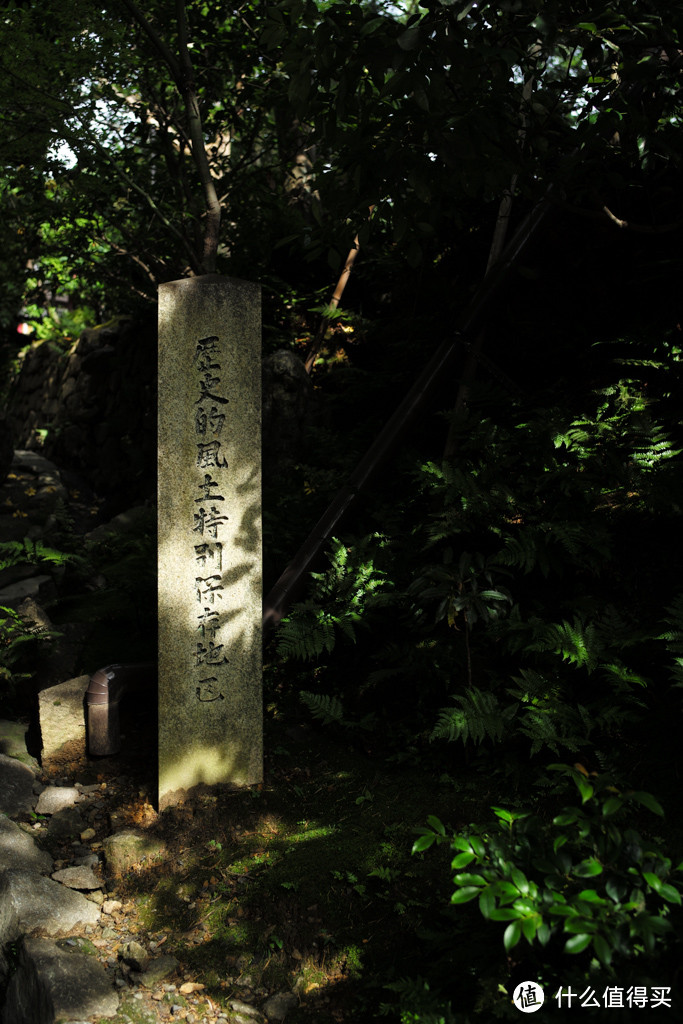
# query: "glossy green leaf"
x,y
504,914
669,893
487,902
462,860
423,843
467,879
602,949
591,896
647,800
512,935
577,943
520,880
587,868
470,892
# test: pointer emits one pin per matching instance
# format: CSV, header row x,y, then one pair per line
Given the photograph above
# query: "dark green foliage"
x,y
340,598
585,882
477,717
531,614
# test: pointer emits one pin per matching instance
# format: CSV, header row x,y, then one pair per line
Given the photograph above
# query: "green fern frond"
x,y
578,644
477,717
326,709
307,635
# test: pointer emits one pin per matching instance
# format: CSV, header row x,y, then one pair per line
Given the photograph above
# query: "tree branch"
x,y
213,206
157,42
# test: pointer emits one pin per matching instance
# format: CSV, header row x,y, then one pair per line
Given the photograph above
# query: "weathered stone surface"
x,y
13,737
35,587
124,522
19,850
50,983
128,848
29,903
34,462
111,906
161,968
245,1009
66,824
62,720
79,877
209,514
56,798
97,403
34,615
16,792
279,1005
135,955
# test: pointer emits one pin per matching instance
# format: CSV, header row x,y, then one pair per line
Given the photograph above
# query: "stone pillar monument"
x,y
209,508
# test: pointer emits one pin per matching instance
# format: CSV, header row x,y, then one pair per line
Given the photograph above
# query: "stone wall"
x,y
97,405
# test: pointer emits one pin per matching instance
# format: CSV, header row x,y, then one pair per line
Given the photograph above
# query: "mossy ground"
x,y
306,883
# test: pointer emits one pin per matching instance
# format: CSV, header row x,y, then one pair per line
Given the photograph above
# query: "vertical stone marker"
x,y
209,502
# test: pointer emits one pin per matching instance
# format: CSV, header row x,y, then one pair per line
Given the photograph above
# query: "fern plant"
x,y
478,716
339,600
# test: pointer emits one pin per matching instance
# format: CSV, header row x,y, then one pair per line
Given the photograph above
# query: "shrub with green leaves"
x,y
18,639
583,882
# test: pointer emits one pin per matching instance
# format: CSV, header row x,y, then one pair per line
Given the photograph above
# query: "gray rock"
x,y
33,462
65,824
90,860
123,523
18,850
50,983
34,615
56,798
13,742
245,1009
127,848
29,903
12,596
159,969
135,955
79,877
16,791
279,1005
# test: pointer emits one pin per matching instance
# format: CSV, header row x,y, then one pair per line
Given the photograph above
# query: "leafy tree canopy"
x,y
313,114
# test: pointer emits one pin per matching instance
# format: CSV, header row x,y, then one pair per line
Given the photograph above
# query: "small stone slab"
x,y
31,903
279,1005
12,596
79,877
50,983
19,850
62,721
56,798
16,787
127,848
